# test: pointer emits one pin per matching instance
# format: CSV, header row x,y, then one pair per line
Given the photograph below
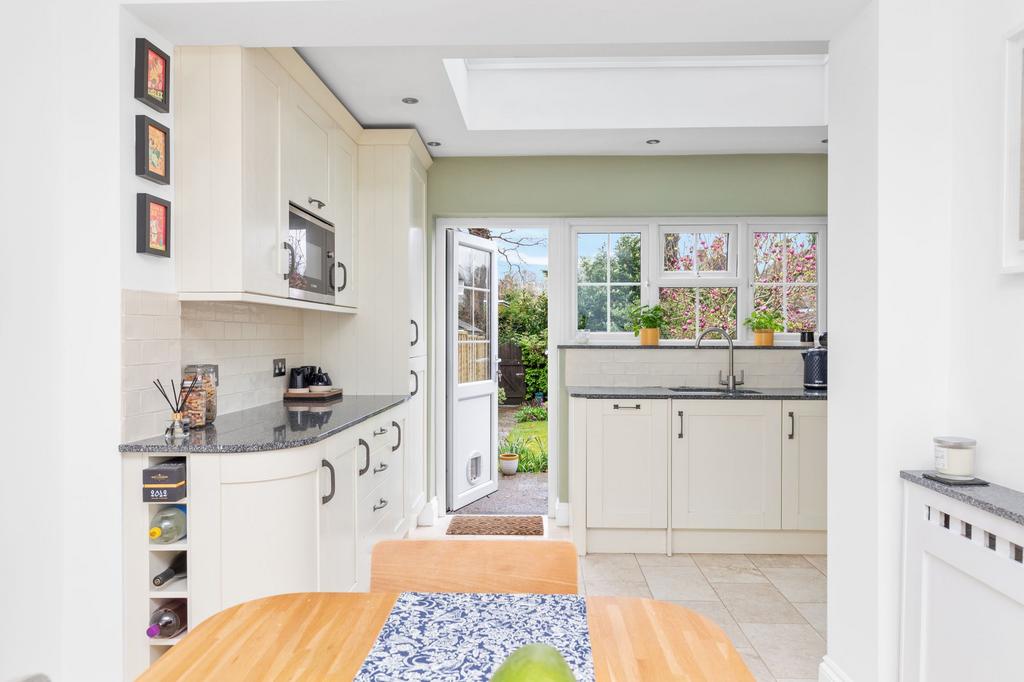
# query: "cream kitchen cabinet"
x,y
726,464
338,535
417,261
627,460
804,465
307,135
415,440
342,153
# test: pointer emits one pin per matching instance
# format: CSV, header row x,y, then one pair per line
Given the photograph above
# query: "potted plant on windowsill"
x,y
647,321
764,324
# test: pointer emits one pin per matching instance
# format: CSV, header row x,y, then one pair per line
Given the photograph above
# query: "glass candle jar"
x,y
954,457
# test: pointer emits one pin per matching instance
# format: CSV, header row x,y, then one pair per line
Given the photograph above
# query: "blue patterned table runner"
x,y
465,637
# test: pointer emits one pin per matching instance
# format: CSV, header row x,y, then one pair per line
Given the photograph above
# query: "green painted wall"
x,y
599,186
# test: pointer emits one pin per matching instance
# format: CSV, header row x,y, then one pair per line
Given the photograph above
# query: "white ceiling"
x,y
372,53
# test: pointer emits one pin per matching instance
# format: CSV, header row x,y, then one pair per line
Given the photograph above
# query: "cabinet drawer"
x,y
383,466
627,407
383,502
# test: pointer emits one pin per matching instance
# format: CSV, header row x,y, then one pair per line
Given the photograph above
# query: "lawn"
x,y
536,433
527,429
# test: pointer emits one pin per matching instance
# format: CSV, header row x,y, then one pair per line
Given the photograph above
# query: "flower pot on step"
x,y
650,337
764,337
508,463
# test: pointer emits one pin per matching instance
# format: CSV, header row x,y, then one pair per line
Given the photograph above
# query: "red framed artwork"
x,y
153,225
152,75
152,150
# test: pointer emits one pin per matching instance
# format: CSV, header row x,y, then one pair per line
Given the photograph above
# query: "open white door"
x,y
472,331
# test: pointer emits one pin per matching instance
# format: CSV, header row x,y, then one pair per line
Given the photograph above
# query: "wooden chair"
x,y
510,566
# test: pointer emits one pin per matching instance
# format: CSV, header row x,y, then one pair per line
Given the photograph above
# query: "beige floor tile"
x,y
677,560
815,615
792,650
716,611
779,561
756,665
798,584
757,604
732,574
819,561
616,588
722,560
616,567
678,584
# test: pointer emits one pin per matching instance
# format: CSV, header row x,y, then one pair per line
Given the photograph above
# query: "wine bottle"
x,y
167,525
176,570
168,621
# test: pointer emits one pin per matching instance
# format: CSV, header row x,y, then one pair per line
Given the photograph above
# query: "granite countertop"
x,y
276,426
708,345
609,392
1005,503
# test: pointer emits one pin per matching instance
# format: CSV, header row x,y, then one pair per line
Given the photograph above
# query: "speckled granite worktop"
x,y
680,346
1005,503
660,392
274,427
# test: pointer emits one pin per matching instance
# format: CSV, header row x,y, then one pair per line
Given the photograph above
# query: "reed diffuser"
x,y
178,426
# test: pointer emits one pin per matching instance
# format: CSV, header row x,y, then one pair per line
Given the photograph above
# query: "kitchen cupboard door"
x,y
307,170
415,440
417,261
726,464
269,515
627,463
804,464
338,529
342,213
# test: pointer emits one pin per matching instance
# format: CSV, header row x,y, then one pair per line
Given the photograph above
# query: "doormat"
x,y
496,525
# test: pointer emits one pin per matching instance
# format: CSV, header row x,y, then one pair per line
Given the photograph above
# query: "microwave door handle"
x,y
291,258
330,276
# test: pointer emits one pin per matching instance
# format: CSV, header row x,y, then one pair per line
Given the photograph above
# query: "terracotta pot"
x,y
764,337
650,337
508,463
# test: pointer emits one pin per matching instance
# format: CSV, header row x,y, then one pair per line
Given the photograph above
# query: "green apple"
x,y
534,663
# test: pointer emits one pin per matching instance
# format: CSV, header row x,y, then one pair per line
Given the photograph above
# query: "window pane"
x,y
481,314
625,257
592,308
481,268
712,251
592,255
768,298
768,247
680,312
622,299
801,309
717,308
465,309
678,252
465,260
474,360
802,257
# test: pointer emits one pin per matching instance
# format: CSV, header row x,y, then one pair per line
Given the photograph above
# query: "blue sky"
x,y
530,258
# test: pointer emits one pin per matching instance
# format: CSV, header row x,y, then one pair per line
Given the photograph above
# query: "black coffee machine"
x,y
816,368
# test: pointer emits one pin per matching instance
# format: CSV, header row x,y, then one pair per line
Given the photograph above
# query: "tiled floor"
x,y
771,606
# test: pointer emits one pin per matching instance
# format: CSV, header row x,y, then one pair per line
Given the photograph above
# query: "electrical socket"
x,y
279,367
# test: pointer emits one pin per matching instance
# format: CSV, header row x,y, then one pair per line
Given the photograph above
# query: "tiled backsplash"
x,y
679,367
161,335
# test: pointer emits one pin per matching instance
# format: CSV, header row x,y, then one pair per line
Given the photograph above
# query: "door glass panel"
x,y
465,262
474,360
481,313
474,340
481,268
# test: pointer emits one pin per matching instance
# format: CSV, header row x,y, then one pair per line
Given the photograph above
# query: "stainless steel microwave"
x,y
310,248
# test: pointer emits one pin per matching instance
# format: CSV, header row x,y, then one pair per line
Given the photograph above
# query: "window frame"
x,y
696,227
607,226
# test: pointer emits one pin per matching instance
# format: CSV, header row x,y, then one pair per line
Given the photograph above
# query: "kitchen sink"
x,y
705,389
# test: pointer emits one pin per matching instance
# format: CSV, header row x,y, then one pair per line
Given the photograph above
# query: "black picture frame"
x,y
143,244
143,48
143,126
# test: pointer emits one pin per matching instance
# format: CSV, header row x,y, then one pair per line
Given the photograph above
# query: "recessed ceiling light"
x,y
653,141
410,100
433,143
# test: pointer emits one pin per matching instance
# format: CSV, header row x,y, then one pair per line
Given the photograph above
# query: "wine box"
x,y
164,482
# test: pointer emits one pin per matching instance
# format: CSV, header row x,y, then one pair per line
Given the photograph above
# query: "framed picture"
x,y
152,75
152,225
1013,183
152,150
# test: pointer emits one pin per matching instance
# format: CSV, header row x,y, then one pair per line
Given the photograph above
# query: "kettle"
x,y
816,368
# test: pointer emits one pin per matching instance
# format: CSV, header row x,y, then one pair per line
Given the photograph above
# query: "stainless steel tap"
x,y
731,381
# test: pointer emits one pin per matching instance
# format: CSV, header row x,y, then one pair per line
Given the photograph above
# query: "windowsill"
x,y
668,345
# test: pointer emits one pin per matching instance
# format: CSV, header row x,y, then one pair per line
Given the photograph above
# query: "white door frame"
x,y
557,241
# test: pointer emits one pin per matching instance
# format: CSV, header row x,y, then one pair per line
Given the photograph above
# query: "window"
x,y
705,273
608,267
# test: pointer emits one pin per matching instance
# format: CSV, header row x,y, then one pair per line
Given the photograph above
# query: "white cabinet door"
x,y
342,159
265,211
414,442
726,464
804,464
627,463
307,170
269,513
338,534
417,261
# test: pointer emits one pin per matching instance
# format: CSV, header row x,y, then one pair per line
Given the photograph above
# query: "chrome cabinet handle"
x,y
415,328
381,431
314,200
399,443
626,407
383,467
329,496
792,426
682,420
416,388
380,505
344,277
366,468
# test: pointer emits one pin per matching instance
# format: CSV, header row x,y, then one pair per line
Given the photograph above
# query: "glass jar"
x,y
209,379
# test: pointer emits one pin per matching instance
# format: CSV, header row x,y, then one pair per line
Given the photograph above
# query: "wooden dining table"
x,y
327,636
